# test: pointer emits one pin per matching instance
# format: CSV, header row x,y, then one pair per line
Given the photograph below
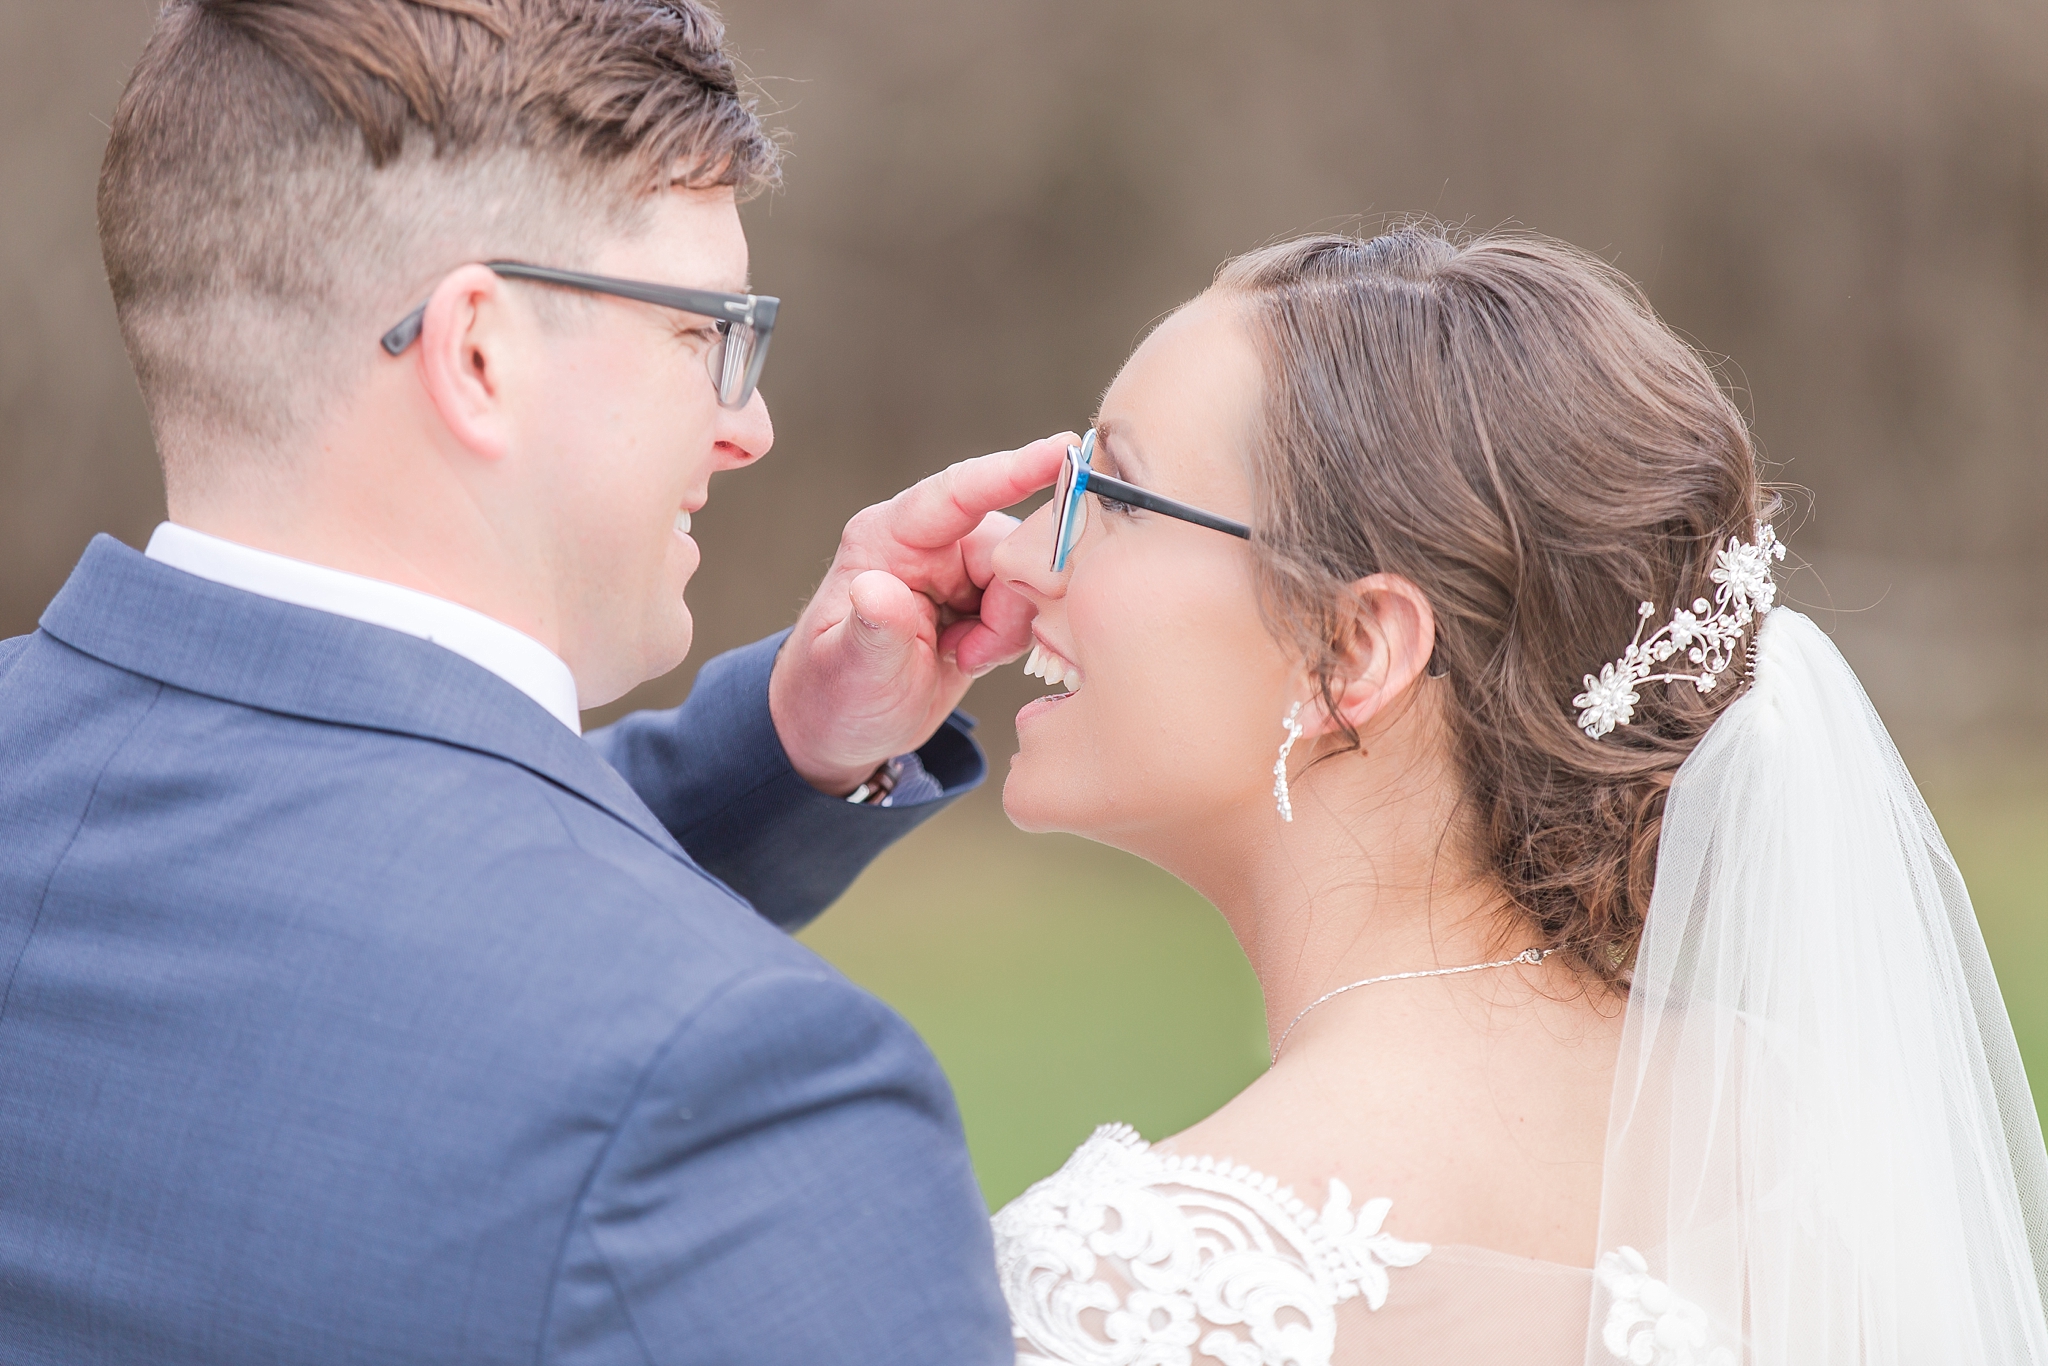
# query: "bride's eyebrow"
x,y
1121,460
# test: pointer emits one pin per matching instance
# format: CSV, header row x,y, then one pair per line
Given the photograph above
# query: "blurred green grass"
x,y
1063,985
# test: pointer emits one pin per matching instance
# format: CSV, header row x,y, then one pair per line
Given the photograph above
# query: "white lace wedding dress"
x,y
1131,1257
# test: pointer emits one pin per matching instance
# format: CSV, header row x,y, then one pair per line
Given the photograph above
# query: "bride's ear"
x,y
1389,638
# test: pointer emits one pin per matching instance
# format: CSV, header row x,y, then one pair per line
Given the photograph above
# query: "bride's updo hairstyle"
x,y
1504,422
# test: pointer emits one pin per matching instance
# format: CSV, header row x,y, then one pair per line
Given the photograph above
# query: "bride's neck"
x,y
1374,875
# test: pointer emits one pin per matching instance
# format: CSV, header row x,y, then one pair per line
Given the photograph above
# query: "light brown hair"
x,y
286,178
1504,422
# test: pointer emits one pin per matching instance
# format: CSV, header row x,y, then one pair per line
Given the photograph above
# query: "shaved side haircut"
x,y
286,178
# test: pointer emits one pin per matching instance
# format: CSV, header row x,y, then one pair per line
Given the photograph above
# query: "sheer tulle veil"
x,y
1822,1147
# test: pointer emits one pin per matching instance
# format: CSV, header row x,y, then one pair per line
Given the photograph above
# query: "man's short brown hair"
x,y
285,178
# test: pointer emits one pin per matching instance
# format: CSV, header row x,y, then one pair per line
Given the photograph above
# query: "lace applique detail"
x,y
1647,1325
1200,1254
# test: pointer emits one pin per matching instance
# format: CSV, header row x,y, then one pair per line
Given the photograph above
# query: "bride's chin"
x,y
1036,801
1023,808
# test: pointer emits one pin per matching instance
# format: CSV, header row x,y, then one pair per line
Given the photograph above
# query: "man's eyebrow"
x,y
743,283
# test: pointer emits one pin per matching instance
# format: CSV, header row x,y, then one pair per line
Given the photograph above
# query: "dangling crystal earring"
x,y
1294,732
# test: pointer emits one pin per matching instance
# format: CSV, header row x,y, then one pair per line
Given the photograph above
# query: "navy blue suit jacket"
x,y
352,1009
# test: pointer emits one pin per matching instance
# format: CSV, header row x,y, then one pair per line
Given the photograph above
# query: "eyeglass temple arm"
x,y
405,333
758,310
1118,491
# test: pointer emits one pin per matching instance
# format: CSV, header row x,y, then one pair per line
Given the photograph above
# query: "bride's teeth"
x,y
1043,663
683,521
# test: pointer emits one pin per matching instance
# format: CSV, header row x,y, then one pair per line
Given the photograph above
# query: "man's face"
x,y
621,438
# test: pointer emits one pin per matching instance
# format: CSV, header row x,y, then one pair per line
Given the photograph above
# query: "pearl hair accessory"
x,y
1281,798
1708,635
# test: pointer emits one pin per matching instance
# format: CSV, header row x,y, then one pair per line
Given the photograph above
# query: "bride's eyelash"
x,y
1114,508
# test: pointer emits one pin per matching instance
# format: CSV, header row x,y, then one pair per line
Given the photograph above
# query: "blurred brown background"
x,y
988,202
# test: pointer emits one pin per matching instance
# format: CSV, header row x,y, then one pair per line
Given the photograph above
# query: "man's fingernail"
x,y
985,669
871,625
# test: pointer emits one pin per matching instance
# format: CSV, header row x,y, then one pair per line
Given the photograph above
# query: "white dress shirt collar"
x,y
512,655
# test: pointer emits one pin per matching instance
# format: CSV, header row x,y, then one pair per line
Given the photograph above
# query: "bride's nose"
x,y
1023,559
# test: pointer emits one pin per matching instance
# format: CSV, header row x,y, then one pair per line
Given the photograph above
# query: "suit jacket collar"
x,y
136,614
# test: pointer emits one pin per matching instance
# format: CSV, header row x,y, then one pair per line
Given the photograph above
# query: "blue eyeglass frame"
x,y
1078,478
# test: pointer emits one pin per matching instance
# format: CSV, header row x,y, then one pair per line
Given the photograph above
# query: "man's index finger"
x,y
948,506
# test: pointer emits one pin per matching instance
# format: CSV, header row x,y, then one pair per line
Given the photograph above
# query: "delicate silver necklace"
x,y
1530,956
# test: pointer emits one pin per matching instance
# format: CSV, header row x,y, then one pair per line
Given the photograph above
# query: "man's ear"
x,y
466,349
1391,635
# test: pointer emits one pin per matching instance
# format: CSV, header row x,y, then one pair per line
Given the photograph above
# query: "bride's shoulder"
x,y
1130,1253
1117,1180
1122,1213
1116,1159
1490,1145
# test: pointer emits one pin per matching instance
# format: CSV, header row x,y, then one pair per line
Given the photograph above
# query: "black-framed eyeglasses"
x,y
1078,478
745,321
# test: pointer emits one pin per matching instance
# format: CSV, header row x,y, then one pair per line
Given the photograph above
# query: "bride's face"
x,y
1170,720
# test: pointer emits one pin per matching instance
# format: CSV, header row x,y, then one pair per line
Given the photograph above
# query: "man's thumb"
x,y
884,619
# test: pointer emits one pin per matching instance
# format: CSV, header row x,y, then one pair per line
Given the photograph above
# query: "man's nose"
x,y
1024,557
744,434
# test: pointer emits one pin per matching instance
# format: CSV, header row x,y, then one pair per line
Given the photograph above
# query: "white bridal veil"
x,y
1822,1151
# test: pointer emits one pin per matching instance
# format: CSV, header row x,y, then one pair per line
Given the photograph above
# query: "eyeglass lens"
x,y
1071,495
733,363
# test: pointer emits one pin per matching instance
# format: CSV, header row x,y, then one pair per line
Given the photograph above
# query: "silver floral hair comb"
x,y
1707,634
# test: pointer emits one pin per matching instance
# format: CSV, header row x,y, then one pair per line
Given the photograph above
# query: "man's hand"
x,y
905,619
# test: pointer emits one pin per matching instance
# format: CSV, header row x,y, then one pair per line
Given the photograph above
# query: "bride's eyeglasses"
x,y
744,321
1078,479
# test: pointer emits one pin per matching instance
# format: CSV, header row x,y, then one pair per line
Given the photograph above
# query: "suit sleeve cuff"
x,y
715,772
